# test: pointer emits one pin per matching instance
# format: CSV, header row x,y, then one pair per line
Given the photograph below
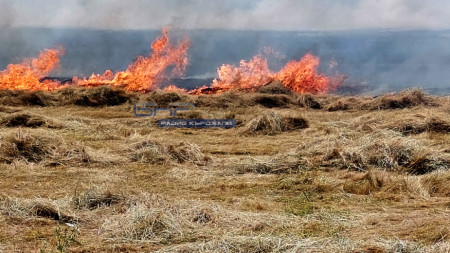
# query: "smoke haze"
x,y
230,14
384,45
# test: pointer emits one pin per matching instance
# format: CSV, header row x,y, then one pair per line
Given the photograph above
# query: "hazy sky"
x,y
228,14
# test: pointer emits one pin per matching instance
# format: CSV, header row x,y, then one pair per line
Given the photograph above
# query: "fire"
x,y
146,72
28,74
300,76
248,75
173,88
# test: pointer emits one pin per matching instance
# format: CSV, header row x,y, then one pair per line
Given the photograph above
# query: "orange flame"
x,y
173,88
299,76
302,77
28,74
146,72
248,75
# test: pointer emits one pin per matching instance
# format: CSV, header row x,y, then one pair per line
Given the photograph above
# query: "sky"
x,y
301,15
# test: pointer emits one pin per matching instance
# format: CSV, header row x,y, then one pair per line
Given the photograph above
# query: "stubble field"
x,y
300,173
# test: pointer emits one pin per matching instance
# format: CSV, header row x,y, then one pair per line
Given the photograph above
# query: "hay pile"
x,y
308,101
418,125
387,153
39,207
229,99
404,99
40,147
272,123
28,120
27,98
279,164
153,152
270,101
162,98
94,97
275,87
94,198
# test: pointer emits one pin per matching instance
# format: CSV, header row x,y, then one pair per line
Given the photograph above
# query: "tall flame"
x,y
300,76
146,72
248,75
28,74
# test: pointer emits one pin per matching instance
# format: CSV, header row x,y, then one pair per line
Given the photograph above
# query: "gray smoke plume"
x,y
385,44
230,14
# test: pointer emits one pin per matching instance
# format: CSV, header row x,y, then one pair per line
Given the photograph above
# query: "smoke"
x,y
100,35
230,14
6,14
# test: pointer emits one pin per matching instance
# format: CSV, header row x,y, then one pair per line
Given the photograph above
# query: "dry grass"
x,y
419,124
300,173
270,101
99,96
272,123
28,120
150,151
405,99
222,100
94,97
308,101
38,207
38,146
95,197
162,98
275,87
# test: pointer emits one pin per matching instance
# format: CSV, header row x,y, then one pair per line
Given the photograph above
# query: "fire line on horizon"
x,y
145,74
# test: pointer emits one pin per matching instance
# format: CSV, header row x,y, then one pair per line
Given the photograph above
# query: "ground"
x,y
299,173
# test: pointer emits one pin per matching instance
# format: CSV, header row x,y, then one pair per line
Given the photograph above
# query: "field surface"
x,y
300,173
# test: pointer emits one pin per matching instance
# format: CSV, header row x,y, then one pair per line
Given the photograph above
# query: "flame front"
x,y
300,76
248,75
28,74
146,72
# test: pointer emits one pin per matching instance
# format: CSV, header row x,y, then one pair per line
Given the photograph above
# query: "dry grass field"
x,y
300,173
